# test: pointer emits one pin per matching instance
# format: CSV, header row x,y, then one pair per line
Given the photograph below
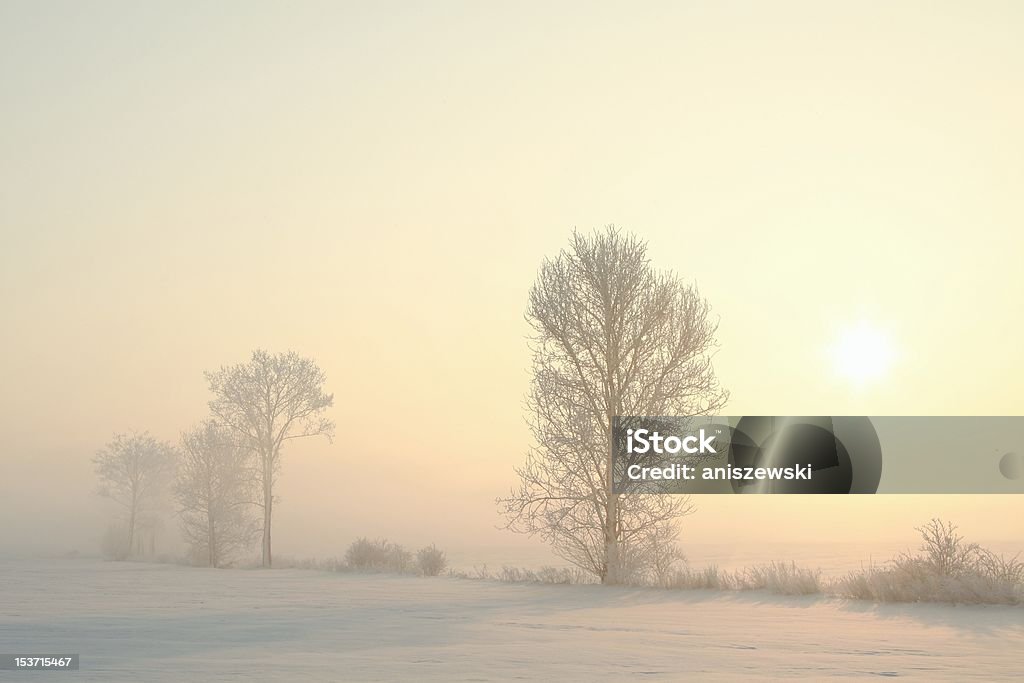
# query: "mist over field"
x,y
164,214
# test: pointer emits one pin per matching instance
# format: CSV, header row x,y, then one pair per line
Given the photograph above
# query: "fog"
x,y
181,187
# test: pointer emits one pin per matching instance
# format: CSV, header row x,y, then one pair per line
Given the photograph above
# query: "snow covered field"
x,y
141,622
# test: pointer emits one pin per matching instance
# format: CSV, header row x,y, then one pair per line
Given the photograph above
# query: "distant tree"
x,y
134,471
112,543
612,337
215,491
269,400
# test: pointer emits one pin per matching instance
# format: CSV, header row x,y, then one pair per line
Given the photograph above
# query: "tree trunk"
x,y
131,531
613,562
211,541
268,502
611,519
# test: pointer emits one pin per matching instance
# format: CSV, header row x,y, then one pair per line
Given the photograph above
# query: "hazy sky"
x,y
375,186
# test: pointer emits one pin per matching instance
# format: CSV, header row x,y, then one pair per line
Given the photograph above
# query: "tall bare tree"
x,y
134,471
612,337
269,400
215,490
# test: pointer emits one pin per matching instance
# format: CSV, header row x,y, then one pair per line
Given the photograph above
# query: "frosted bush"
x,y
431,560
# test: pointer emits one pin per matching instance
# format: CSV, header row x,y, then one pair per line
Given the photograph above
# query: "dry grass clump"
x,y
706,578
945,569
782,578
549,575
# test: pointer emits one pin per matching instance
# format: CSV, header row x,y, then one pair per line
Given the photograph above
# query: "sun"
x,y
863,353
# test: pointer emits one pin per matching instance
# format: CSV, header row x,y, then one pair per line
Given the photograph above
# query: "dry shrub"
x,y
782,578
378,556
708,578
430,560
945,569
549,575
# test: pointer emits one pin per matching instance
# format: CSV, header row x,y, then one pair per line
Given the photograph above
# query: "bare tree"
x,y
612,337
134,470
215,491
269,400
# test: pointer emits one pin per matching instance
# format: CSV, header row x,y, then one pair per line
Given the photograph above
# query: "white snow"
x,y
145,622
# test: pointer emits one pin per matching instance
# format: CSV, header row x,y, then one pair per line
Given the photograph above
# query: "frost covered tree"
x,y
272,399
215,491
134,471
612,337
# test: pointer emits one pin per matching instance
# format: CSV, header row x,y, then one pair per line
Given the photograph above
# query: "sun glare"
x,y
863,353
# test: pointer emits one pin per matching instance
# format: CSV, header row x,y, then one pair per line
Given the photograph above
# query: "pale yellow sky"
x,y
376,187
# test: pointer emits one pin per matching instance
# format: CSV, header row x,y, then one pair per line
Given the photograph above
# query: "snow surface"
x,y
145,622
